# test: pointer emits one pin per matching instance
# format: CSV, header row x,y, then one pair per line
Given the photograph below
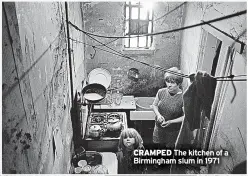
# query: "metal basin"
x,y
144,103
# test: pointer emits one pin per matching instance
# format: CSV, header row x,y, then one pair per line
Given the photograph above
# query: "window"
x,y
138,21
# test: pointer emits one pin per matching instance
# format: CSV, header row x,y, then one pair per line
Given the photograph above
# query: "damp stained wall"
x,y
230,130
36,124
107,18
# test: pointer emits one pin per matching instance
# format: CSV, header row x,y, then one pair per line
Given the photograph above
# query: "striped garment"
x,y
170,107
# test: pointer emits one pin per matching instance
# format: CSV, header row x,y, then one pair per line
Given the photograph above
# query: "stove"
x,y
102,119
108,142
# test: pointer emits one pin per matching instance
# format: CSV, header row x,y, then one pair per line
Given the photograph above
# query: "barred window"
x,y
138,21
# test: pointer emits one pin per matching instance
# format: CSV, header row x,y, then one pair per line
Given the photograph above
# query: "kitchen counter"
x,y
109,160
127,103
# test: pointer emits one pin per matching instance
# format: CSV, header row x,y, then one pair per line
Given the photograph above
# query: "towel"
x,y
199,97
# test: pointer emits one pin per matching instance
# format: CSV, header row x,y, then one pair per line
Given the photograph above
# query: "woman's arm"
x,y
177,120
158,117
168,122
155,109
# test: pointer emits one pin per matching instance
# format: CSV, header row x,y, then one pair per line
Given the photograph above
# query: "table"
x,y
109,160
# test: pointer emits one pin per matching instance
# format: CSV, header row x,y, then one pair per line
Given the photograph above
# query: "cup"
x,y
118,98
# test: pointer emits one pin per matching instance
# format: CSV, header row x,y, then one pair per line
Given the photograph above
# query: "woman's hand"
x,y
166,123
160,119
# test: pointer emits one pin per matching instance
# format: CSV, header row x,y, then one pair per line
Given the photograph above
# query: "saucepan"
x,y
94,93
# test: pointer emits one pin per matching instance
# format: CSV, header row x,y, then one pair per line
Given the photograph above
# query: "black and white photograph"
x,y
124,87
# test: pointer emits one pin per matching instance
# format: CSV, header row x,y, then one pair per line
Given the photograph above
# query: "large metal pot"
x,y
94,92
95,131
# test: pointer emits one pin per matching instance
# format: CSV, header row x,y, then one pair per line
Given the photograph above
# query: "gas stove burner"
x,y
114,116
97,118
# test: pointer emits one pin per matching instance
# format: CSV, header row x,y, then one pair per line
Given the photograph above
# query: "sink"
x,y
142,115
93,158
143,110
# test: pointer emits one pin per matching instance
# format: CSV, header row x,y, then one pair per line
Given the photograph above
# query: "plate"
x,y
100,76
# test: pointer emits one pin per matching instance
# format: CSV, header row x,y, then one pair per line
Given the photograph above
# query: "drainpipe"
x,y
84,39
69,52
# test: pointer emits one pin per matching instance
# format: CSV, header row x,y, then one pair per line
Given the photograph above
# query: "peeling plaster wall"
x,y
197,11
36,125
107,18
230,126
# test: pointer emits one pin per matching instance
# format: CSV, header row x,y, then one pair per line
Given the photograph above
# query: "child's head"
x,y
130,138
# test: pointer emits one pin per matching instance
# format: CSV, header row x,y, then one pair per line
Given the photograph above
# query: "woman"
x,y
130,140
168,107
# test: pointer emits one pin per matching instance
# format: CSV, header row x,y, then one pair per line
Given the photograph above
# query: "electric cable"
x,y
164,32
203,23
217,78
162,69
121,55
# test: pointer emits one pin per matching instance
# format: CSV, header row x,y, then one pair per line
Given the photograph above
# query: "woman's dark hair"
x,y
172,78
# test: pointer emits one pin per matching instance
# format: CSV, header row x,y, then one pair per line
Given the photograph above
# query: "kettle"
x,y
114,124
95,131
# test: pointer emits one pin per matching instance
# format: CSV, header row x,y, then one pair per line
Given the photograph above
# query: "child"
x,y
130,140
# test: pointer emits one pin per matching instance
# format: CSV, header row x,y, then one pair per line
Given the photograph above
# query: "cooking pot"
x,y
94,92
114,124
95,131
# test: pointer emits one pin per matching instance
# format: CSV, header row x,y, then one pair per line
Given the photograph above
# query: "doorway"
x,y
208,58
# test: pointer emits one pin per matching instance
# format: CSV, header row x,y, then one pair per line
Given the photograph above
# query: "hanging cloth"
x,y
197,98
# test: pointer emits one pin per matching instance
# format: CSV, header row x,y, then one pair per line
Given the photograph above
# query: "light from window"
x,y
138,21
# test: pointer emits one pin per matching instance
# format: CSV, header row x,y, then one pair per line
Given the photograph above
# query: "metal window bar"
x,y
138,45
149,22
130,16
147,17
152,28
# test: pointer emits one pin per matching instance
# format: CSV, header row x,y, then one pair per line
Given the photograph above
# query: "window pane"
x,y
127,27
142,41
127,42
143,14
143,28
150,14
133,42
134,13
149,41
127,12
150,27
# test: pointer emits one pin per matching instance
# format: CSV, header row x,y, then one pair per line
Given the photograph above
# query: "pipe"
x,y
69,52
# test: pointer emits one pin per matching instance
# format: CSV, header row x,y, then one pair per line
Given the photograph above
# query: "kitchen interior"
x,y
52,62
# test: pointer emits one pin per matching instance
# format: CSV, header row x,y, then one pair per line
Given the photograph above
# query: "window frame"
x,y
149,20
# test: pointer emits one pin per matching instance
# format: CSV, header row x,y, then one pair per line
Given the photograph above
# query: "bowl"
x,y
78,170
86,169
82,163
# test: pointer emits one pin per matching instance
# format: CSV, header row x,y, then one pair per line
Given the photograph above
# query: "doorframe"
x,y
221,70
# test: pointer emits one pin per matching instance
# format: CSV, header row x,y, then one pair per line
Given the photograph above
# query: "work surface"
x,y
109,160
127,102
